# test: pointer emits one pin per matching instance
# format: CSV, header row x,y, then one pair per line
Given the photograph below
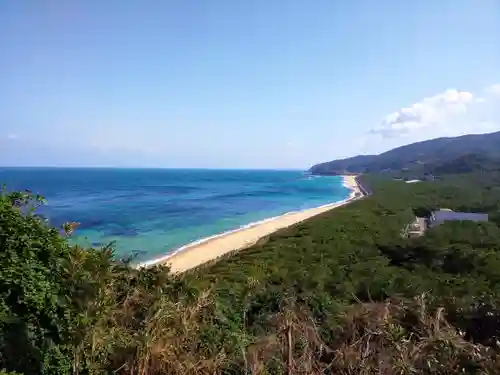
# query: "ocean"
x,y
148,213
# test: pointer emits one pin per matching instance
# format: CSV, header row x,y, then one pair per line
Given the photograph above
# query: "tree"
x,y
35,308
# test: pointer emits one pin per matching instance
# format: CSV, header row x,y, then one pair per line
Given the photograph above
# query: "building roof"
x,y
440,216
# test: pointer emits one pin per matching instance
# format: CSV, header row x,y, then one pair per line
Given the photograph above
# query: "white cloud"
x,y
449,113
429,112
495,89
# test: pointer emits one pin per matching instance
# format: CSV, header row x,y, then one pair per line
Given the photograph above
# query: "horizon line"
x,y
150,168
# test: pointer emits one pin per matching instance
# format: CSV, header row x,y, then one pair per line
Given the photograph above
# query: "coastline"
x,y
196,253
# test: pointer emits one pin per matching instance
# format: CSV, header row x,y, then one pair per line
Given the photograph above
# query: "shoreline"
x,y
209,248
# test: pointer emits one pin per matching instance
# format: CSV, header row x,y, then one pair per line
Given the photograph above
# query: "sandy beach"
x,y
191,256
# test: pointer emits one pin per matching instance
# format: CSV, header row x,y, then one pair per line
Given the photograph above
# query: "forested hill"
x,y
418,156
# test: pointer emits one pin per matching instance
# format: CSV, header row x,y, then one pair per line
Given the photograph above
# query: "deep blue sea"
x,y
151,212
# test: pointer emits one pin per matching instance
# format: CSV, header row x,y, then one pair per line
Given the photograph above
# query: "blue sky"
x,y
240,84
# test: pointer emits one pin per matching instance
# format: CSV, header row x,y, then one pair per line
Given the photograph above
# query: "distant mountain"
x,y
433,156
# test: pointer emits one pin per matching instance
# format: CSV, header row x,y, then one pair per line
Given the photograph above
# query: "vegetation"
x,y
342,293
422,157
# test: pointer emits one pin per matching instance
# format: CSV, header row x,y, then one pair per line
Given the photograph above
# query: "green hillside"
x,y
342,293
420,156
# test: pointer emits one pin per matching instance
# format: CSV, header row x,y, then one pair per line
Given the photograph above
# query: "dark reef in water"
x,y
124,232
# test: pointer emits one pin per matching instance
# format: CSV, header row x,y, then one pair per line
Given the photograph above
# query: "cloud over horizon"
x,y
449,113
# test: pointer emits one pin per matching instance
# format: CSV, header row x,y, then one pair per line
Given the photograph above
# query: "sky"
x,y
240,84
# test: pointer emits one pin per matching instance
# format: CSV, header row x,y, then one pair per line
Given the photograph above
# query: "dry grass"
x,y
137,330
146,331
373,338
395,338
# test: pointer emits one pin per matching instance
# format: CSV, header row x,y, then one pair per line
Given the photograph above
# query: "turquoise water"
x,y
151,212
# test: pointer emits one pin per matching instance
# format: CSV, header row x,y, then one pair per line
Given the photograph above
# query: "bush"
x,y
35,305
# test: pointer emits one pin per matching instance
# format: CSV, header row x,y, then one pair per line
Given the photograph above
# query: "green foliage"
x,y
35,315
341,293
65,309
356,254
